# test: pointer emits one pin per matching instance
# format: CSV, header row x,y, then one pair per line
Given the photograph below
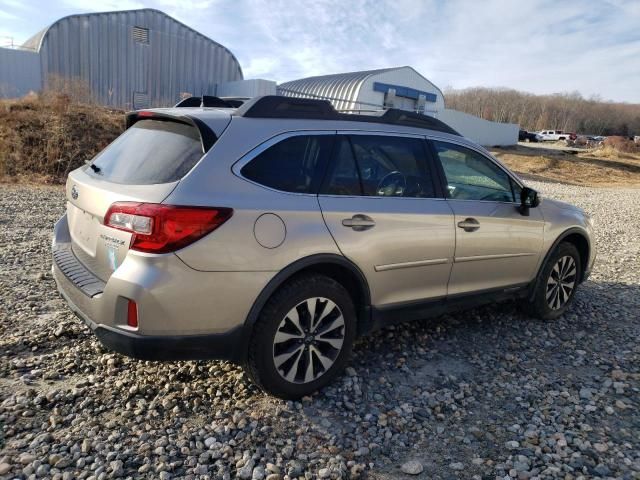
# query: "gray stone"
x,y
412,467
246,472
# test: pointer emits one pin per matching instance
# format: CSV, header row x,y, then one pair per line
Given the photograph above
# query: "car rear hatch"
x,y
143,165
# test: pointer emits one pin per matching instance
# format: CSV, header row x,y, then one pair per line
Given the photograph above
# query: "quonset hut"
x,y
128,59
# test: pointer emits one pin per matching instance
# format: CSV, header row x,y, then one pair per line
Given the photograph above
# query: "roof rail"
x,y
205,101
274,106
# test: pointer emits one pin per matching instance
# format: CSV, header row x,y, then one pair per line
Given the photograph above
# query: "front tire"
x,y
557,283
302,338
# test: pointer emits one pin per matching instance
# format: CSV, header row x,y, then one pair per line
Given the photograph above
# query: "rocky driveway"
x,y
487,393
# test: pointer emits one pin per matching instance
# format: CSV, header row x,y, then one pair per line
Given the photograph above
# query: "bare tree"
x,y
562,111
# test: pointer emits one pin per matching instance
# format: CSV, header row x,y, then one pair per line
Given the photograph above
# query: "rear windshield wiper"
x,y
95,168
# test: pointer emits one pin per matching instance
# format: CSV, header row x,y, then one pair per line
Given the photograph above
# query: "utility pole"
x,y
9,43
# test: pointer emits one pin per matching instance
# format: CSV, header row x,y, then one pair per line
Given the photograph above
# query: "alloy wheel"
x,y
308,340
561,282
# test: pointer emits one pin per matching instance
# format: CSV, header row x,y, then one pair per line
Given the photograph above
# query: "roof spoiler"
x,y
208,101
275,106
207,136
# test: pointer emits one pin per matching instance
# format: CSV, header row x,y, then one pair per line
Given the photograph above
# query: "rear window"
x,y
150,152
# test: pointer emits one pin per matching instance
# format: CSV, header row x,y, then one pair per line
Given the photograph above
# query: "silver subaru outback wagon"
x,y
275,233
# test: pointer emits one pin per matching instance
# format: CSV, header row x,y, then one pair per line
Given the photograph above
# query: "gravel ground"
x,y
482,394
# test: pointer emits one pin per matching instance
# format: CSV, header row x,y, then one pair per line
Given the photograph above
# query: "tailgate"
x,y
100,248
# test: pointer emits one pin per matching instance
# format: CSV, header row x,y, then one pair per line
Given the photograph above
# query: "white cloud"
x,y
7,15
83,6
543,46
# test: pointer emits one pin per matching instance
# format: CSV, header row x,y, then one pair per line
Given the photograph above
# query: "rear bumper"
x,y
222,346
183,314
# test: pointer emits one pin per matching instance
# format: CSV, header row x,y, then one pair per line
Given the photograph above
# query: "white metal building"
x,y
403,88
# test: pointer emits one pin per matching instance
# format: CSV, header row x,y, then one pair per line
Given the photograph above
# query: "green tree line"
x,y
569,112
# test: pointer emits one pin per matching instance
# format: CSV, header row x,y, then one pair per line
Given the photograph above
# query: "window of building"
x,y
140,34
140,100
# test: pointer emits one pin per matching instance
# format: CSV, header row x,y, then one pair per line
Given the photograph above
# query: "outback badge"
x,y
74,192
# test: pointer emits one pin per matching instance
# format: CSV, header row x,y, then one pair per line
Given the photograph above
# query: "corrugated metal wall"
x,y
101,49
479,130
246,88
406,77
19,72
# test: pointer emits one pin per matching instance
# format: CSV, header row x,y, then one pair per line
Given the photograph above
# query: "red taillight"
x,y
159,228
132,314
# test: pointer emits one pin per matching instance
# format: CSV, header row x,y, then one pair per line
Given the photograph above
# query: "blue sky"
x,y
539,46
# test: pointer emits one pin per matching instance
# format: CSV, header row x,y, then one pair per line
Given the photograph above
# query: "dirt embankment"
x,y
600,167
44,137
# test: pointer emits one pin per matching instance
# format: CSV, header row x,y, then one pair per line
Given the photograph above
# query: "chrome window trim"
x,y
251,154
379,133
331,195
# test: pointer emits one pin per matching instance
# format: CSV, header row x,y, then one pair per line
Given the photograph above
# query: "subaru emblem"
x,y
74,192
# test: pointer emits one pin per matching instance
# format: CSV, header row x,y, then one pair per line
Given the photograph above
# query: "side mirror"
x,y
528,199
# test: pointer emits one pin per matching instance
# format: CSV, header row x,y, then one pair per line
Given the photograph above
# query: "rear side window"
x,y
150,152
380,166
296,164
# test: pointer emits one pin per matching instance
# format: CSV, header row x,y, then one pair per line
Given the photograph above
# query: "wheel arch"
x,y
334,266
577,237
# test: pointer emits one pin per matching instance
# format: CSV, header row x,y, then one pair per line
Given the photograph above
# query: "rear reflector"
x,y
159,228
132,314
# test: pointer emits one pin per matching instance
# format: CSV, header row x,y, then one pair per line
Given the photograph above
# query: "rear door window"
x,y
343,177
149,152
296,164
380,166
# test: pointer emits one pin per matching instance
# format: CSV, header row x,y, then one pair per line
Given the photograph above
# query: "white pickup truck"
x,y
555,135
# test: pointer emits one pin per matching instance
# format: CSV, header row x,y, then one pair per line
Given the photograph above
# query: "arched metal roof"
x,y
342,89
35,42
133,58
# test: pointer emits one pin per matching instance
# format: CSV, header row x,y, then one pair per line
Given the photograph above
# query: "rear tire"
x,y
302,338
556,283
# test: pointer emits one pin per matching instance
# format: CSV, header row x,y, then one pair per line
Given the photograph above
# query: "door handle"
x,y
469,224
359,222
